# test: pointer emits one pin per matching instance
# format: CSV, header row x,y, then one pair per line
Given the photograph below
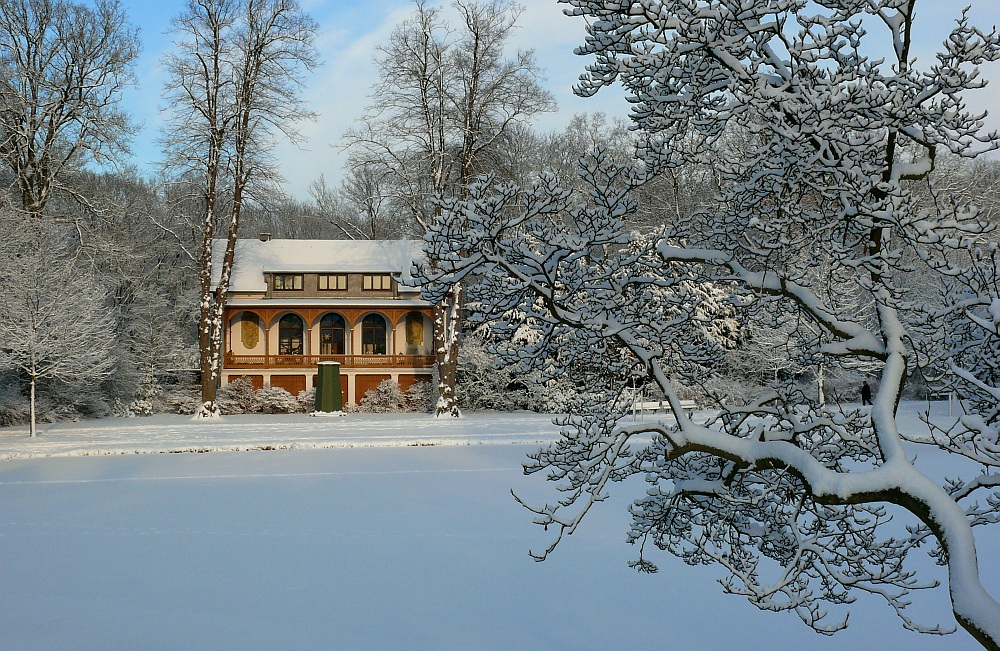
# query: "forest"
x,y
102,264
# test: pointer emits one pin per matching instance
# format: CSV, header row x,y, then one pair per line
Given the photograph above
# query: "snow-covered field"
x,y
167,433
361,532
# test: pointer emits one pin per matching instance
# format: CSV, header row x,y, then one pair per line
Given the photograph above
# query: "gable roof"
x,y
254,258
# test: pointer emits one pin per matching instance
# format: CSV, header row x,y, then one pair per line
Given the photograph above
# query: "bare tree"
x,y
55,323
363,207
790,497
63,66
449,95
234,85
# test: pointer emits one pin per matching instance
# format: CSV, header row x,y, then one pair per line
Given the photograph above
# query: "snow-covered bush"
x,y
306,400
421,396
13,405
275,400
122,410
554,396
386,398
237,397
183,400
71,402
485,383
148,396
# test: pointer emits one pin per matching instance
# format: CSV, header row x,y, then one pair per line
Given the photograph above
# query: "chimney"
x,y
265,236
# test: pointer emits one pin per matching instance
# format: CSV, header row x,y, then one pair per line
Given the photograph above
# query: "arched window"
x,y
331,335
414,333
373,335
290,330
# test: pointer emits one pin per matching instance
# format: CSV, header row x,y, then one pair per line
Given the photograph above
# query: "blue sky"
x,y
349,32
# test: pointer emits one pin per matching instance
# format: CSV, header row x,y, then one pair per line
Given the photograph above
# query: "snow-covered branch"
x,y
816,231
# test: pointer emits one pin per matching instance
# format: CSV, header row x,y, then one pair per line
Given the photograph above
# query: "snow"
x,y
366,532
255,257
169,433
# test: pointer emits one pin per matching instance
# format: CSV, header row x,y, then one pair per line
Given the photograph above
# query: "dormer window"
x,y
287,282
332,282
377,282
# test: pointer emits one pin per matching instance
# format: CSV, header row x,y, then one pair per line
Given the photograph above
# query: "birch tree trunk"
x,y
31,409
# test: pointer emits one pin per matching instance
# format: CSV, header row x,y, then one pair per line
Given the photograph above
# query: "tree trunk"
x,y
209,379
446,319
31,410
206,330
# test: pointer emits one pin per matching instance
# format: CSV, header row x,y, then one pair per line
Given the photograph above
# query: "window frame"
x,y
368,330
296,280
285,342
338,278
325,328
384,282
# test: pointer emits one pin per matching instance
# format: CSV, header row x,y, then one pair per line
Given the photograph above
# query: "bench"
x,y
661,405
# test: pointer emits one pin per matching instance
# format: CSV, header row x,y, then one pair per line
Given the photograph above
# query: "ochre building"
x,y
295,303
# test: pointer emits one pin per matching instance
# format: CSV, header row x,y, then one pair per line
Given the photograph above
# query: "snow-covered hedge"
x,y
13,406
182,400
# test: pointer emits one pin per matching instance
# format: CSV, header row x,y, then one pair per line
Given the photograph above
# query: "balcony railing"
x,y
346,361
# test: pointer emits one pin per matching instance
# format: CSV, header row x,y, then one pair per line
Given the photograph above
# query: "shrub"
x,y
555,397
14,409
306,400
421,397
275,400
148,396
183,400
237,397
482,384
386,398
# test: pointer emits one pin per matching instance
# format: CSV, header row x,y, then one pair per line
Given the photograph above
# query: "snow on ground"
x,y
171,433
366,541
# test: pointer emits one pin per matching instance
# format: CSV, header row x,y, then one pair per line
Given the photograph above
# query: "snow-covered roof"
x,y
255,257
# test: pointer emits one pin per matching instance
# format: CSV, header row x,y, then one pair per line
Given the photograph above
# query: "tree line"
x,y
454,103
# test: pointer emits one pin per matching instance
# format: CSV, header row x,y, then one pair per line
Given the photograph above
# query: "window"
x,y
285,282
373,335
331,335
290,330
333,282
378,282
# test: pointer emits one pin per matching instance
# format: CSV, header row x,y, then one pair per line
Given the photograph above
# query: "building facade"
x,y
295,303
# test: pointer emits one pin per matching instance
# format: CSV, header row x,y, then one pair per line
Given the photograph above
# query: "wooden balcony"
x,y
346,361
